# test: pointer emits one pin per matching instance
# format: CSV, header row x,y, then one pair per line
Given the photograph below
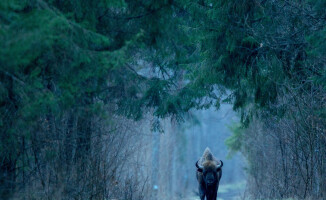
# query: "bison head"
x,y
210,171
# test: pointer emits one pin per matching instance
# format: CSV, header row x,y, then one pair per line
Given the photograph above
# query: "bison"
x,y
209,173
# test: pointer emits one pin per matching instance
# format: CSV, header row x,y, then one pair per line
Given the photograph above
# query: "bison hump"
x,y
207,155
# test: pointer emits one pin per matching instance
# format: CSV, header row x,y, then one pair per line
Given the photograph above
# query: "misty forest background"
x,y
117,99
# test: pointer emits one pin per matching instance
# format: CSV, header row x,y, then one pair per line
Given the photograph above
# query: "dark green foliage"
x,y
235,141
62,57
122,57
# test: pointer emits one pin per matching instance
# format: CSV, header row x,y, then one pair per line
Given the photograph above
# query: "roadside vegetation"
x,y
86,85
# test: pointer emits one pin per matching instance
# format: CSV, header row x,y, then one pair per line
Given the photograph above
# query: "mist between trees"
x,y
106,99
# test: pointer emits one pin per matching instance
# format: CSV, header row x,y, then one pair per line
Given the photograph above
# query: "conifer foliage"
x,y
72,71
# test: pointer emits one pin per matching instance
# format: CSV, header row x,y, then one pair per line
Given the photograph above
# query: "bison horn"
x,y
220,165
199,166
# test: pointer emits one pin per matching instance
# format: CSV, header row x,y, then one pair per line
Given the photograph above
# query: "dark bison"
x,y
209,173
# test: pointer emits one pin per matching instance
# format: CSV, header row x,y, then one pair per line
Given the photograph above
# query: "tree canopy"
x,y
127,58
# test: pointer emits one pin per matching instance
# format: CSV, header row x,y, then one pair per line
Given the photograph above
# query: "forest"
x,y
117,99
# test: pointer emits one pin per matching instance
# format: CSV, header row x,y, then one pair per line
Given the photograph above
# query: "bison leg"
x,y
211,196
202,192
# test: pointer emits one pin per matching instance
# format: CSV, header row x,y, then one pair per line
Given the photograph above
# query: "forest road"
x,y
226,192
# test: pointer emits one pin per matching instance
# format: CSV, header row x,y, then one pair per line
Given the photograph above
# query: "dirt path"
x,y
226,192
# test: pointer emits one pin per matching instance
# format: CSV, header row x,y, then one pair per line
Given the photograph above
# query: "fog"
x,y
182,144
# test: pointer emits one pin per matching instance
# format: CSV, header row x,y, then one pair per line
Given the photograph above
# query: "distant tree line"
x,y
76,74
